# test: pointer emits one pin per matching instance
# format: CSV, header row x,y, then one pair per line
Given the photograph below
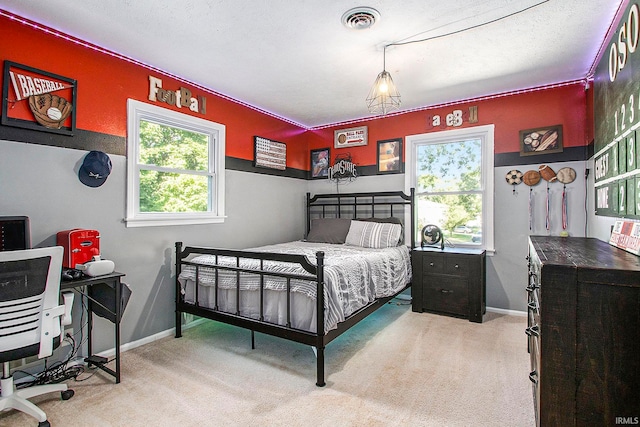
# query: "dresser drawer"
x,y
447,295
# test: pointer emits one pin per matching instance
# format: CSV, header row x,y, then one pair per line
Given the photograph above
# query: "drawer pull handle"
x,y
532,288
533,377
446,291
533,331
431,264
457,266
532,306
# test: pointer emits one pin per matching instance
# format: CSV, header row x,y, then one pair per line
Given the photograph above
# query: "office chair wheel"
x,y
67,394
44,424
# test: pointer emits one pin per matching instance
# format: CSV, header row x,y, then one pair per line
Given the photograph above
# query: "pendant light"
x,y
383,96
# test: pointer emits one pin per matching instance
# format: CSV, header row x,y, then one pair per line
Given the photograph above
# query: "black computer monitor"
x,y
14,233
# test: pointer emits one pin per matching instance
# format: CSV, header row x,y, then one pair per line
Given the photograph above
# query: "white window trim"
x,y
137,110
486,135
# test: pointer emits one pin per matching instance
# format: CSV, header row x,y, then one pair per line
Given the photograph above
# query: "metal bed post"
x,y
178,293
308,215
412,194
320,321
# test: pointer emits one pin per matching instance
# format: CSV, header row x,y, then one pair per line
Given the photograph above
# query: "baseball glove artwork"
x,y
50,110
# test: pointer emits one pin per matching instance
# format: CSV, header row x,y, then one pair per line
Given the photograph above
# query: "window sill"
x,y
160,222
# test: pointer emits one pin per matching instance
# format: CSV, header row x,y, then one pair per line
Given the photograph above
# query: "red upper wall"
x,y
565,105
105,82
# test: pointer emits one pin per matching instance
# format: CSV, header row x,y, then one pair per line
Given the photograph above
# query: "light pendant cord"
x,y
468,28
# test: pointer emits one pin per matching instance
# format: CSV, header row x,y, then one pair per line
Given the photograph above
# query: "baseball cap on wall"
x,y
95,169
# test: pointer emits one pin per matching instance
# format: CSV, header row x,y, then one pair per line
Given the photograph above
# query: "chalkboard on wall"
x,y
617,120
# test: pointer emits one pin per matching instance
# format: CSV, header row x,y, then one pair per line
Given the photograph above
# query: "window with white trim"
x,y
452,173
175,167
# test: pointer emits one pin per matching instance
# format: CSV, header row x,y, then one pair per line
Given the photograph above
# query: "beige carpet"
x,y
396,368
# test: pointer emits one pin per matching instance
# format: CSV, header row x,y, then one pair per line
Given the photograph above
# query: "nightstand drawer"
x,y
432,264
446,295
457,266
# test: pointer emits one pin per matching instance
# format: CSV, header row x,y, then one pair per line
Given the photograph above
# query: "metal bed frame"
x,y
348,205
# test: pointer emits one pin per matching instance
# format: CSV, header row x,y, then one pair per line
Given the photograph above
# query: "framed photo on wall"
x,y
389,158
269,154
320,160
542,140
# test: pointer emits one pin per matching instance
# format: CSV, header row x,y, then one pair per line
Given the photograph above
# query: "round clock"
x,y
431,236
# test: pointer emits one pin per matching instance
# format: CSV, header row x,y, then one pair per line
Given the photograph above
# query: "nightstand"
x,y
450,281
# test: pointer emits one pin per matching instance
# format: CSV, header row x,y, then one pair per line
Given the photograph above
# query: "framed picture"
x,y
541,140
38,100
352,137
320,159
390,156
270,154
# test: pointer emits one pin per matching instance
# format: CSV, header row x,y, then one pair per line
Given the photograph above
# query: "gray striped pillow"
x,y
373,234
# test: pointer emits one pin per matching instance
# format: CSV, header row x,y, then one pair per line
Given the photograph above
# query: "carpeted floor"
x,y
396,368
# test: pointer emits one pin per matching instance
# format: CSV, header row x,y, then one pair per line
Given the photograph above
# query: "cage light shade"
x,y
384,95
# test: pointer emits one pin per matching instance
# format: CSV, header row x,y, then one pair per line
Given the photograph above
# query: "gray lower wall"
x,y
507,268
41,182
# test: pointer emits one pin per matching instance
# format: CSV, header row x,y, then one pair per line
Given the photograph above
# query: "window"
x,y
175,167
452,172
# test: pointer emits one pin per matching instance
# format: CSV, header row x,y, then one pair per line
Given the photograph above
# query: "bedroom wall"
x,y
38,173
568,105
41,182
38,176
600,226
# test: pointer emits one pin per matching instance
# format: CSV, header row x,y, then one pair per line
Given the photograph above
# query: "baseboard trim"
x,y
169,332
508,312
146,340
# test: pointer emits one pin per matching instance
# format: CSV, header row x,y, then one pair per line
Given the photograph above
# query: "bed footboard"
x,y
237,266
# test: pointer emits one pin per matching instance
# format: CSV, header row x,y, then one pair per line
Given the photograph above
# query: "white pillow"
x,y
373,234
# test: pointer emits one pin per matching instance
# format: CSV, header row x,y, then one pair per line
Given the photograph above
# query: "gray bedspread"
x,y
354,276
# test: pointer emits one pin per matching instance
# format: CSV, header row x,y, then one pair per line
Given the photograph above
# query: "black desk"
x,y
113,281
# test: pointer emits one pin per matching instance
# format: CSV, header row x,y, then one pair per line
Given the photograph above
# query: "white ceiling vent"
x,y
360,18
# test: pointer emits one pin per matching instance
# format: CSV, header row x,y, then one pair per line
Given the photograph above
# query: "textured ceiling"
x,y
296,60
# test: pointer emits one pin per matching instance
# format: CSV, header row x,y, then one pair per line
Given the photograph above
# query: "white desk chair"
x,y
31,320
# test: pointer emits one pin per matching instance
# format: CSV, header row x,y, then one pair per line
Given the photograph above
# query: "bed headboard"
x,y
382,204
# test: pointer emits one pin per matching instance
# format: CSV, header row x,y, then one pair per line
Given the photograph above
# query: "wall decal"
x,y
343,169
38,100
455,118
616,121
176,98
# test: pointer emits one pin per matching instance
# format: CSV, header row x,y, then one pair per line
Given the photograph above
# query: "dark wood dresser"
x,y
583,332
450,281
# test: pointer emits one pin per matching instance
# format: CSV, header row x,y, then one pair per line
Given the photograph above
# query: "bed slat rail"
x,y
265,256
